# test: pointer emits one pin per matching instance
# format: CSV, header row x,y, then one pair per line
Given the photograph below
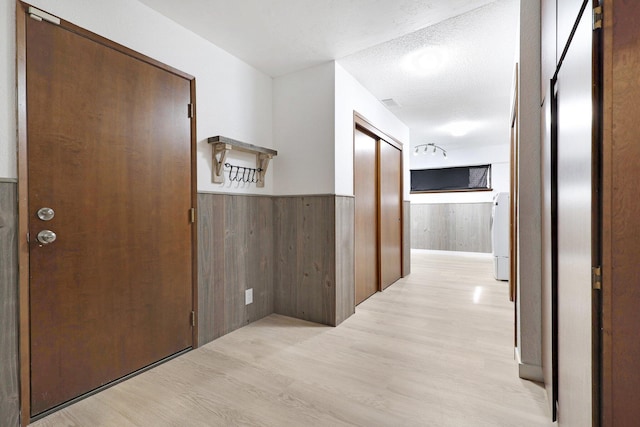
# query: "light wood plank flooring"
x,y
434,349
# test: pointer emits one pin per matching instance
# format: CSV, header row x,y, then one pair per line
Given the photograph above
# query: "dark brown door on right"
x,y
390,213
109,151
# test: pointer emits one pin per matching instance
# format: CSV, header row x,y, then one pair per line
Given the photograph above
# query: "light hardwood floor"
x,y
434,349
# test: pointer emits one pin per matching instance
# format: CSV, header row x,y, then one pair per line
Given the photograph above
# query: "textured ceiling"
x,y
281,36
471,80
370,39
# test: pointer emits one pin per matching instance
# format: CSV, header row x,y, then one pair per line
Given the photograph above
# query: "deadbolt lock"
x,y
46,214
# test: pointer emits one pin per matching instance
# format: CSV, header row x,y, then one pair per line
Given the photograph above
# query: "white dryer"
x,y
500,236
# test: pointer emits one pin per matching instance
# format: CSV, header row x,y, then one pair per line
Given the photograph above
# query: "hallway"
x,y
434,349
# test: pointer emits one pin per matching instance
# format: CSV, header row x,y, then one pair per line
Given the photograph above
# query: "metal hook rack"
x,y
243,174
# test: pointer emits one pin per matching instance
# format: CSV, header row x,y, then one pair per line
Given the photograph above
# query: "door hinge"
x,y
596,277
193,318
597,17
28,238
192,215
190,112
39,15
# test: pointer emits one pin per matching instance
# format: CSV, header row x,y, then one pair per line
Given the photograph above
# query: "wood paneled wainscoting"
x,y
464,227
406,238
235,253
314,244
345,261
9,390
295,252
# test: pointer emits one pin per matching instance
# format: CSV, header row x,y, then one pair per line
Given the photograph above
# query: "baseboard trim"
x,y
530,372
527,371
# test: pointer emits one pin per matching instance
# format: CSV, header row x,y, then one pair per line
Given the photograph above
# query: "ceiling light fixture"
x,y
430,146
460,128
425,61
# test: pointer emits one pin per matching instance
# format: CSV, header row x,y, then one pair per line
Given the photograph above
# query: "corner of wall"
x,y
350,97
527,371
303,128
529,191
344,257
227,267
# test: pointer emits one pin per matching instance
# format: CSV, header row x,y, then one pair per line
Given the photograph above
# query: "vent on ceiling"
x,y
390,103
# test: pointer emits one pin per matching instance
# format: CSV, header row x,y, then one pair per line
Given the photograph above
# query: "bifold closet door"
x,y
390,213
366,218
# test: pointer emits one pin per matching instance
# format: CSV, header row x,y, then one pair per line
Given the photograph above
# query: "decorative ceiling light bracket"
x,y
429,148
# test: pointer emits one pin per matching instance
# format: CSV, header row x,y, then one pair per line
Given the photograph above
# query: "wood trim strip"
x,y
596,215
365,125
223,193
469,190
378,214
23,219
194,204
513,200
241,146
403,225
606,312
553,149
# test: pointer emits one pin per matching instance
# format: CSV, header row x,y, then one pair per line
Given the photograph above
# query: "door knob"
x,y
46,214
46,236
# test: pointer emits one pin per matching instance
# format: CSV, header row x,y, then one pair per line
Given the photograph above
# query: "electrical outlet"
x,y
248,296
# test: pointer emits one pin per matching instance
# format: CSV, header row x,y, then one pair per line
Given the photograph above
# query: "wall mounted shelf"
x,y
222,145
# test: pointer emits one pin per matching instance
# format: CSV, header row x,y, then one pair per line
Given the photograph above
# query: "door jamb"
x,y
24,354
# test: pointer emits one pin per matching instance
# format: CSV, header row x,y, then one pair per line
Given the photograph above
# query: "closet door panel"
x,y
366,218
390,213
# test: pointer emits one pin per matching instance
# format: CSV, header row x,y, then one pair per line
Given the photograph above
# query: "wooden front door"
x,y
109,152
366,217
390,214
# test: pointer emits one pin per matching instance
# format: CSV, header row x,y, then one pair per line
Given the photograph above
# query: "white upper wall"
x,y
313,126
7,90
233,99
303,112
352,96
307,116
495,155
